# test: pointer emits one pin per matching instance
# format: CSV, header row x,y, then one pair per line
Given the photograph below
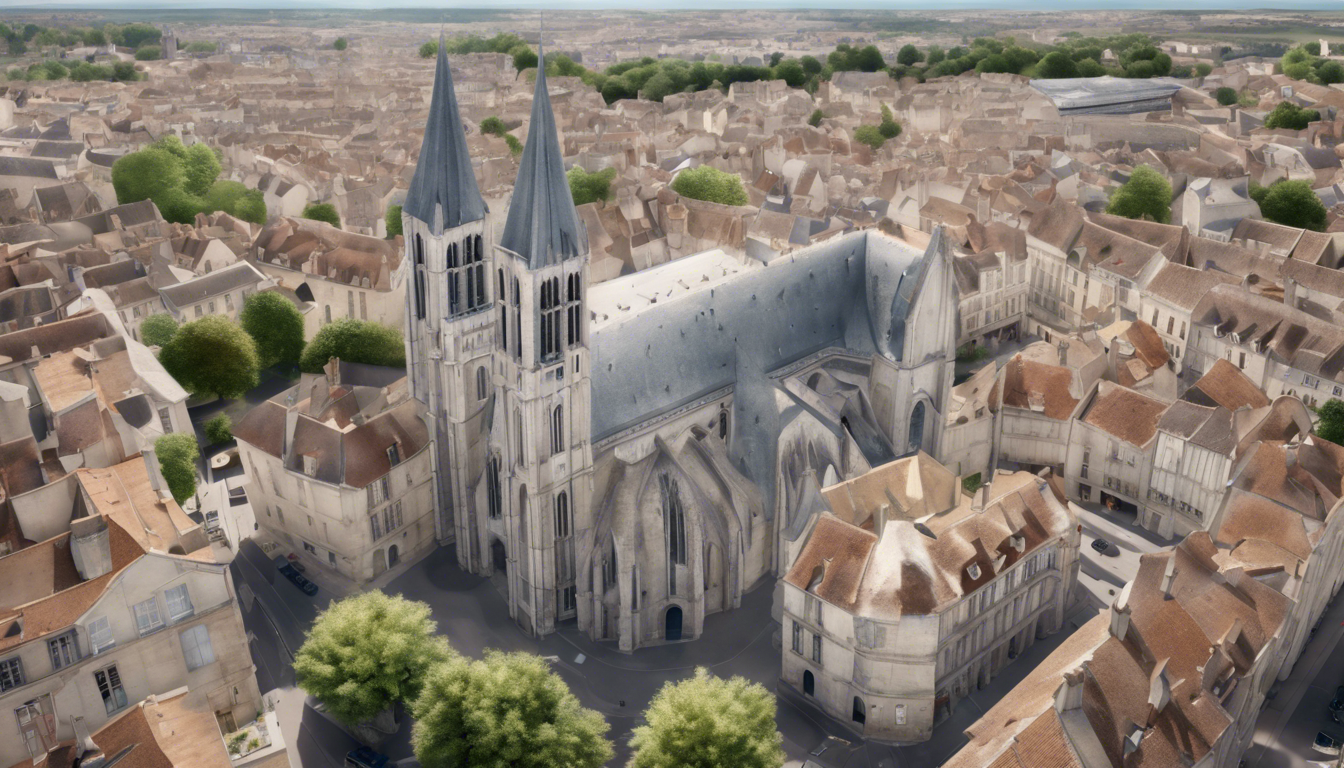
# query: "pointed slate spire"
x,y
543,227
443,176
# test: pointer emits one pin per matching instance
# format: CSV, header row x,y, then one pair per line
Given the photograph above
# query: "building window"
x,y
166,420
816,648
454,278
900,714
480,383
179,603
64,650
568,600
473,263
573,308
562,515
378,491
517,321
11,673
518,434
609,567
551,303
419,279
147,618
1082,472
503,314
100,635
375,526
109,686
674,520
309,548
310,466
492,488
797,638
196,648
392,516
393,456
558,429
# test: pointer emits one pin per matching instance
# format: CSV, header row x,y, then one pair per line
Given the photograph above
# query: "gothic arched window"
x,y
503,315
551,302
419,277
723,423
480,383
493,496
562,515
518,434
609,566
674,525
558,429
454,279
478,254
573,307
517,321
916,440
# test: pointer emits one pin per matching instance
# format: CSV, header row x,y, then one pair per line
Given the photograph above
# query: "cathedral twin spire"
x,y
543,227
443,191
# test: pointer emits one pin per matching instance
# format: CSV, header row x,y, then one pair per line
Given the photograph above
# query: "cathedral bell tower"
x,y
538,483
449,325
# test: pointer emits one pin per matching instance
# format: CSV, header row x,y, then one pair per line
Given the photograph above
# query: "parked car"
x,y
308,587
365,757
1101,545
1325,743
1337,703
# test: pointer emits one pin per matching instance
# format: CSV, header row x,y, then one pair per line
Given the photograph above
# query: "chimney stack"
x,y
1169,577
90,546
1120,614
1159,692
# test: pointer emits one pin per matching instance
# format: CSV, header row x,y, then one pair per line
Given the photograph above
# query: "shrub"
x,y
322,212
870,135
177,462
590,187
355,341
816,118
494,126
1225,96
149,53
710,184
341,44
219,430
392,220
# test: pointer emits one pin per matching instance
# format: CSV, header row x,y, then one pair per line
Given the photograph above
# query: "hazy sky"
x,y
1044,5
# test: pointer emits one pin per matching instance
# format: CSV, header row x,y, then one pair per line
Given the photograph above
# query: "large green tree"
x,y
590,187
709,722
1146,195
212,356
177,455
909,55
711,184
393,220
237,200
1056,64
1290,116
322,212
870,135
146,174
354,341
276,327
157,330
365,653
1331,424
1294,204
505,710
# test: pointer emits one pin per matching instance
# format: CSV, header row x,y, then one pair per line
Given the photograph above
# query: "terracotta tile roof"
x,y
1183,287
1224,384
1036,386
1124,413
264,427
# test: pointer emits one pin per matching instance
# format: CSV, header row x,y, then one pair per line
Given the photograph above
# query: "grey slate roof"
x,y
219,282
31,167
543,227
443,177
1108,95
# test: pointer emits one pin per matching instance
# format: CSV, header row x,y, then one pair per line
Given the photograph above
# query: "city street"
x,y
1290,721
473,615
1104,575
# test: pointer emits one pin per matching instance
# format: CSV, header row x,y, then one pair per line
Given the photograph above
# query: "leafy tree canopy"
x,y
149,53
157,330
1289,115
182,182
494,126
340,44
816,118
219,430
909,55
711,184
276,327
524,58
392,220
870,135
1331,424
1147,195
590,187
177,461
355,341
1056,64
212,355
1294,204
237,200
322,212
365,653
506,709
1226,96
707,722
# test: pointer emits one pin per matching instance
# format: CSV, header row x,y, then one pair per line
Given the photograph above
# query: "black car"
x,y
1337,703
1326,743
1101,545
289,572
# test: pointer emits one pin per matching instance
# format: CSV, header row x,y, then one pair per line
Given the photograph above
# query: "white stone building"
x,y
1110,448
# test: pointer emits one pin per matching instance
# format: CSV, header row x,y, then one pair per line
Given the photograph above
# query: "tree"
x,y
524,58
1203,68
149,53
237,200
506,709
1331,424
355,341
94,37
1290,116
1331,72
322,212
135,35
775,58
1294,204
1090,68
811,65
341,44
707,722
219,430
124,71
429,50
1226,96
276,327
392,220
200,165
889,128
212,355
515,146
935,55
791,72
816,118
909,55
145,174
177,462
659,86
1146,195
367,652
711,184
590,187
869,59
493,125
1313,48
158,330
1055,65
870,135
